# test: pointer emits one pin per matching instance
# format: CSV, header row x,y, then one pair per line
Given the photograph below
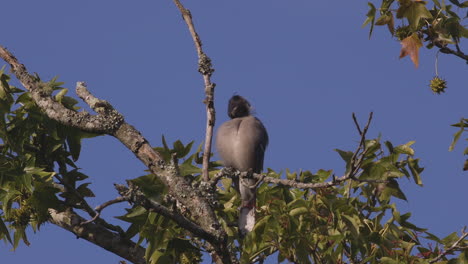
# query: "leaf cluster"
x,y
166,241
34,150
355,222
441,26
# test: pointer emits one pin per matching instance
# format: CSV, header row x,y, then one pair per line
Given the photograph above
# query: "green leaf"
x,y
456,136
74,142
457,3
291,175
164,142
370,18
187,149
4,86
415,170
84,190
24,98
392,188
187,168
352,224
405,149
19,234
298,211
416,13
346,156
150,185
371,146
404,223
453,27
70,102
433,237
450,239
179,148
389,146
413,11
61,94
324,174
383,20
136,214
4,231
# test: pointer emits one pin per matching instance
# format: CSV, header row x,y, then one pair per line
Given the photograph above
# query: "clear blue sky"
x,y
304,65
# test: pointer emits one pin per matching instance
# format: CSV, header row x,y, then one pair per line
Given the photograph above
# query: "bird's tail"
x,y
247,218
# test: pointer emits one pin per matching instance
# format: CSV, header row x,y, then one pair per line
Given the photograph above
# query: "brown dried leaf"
x,y
411,46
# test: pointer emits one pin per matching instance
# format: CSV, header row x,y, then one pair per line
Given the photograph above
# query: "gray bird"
x,y
241,142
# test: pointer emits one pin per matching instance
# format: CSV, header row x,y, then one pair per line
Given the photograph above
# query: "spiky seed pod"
x,y
438,85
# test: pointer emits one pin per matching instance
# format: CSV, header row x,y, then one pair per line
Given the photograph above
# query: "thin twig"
x,y
88,208
357,124
206,69
446,50
303,185
99,208
455,246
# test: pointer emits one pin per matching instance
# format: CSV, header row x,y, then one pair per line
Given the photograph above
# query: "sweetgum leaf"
x,y
411,46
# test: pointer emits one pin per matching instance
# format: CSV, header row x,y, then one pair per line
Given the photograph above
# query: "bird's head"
x,y
238,107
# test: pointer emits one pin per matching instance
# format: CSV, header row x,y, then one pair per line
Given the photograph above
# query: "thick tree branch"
x,y
109,121
219,252
455,246
98,235
206,69
54,110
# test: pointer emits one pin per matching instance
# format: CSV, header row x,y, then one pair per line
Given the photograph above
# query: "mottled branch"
x,y
206,70
53,109
294,183
98,235
135,196
109,121
218,249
